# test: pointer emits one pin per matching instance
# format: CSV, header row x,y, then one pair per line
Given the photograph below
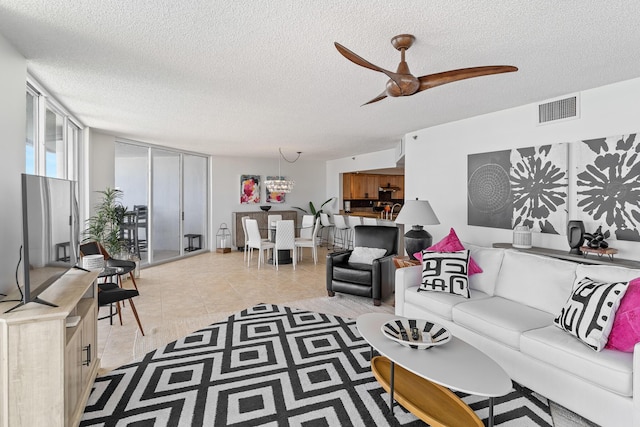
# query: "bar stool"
x,y
340,232
326,224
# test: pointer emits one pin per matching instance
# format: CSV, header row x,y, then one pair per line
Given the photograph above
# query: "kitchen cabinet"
x,y
393,181
360,186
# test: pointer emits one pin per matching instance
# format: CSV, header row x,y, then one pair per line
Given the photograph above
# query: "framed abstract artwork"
x,y
608,185
524,186
275,196
249,189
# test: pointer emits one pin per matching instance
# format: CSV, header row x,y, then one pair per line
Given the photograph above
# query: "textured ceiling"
x,y
237,77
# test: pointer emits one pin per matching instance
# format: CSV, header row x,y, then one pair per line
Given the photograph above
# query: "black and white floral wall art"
x,y
608,185
524,186
539,185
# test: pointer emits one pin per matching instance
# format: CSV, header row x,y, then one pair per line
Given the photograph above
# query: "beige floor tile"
x,y
180,297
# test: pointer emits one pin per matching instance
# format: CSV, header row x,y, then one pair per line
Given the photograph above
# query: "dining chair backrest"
x,y
285,234
244,227
271,222
253,233
316,232
307,226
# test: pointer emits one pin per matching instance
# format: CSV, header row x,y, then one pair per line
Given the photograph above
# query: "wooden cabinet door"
x,y
72,374
89,353
346,186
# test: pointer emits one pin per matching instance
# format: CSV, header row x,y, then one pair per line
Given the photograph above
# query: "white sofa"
x,y
510,317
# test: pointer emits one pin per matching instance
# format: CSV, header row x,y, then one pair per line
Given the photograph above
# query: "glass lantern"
x,y
223,239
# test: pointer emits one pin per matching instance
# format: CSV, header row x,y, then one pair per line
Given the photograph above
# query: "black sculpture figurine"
x,y
596,240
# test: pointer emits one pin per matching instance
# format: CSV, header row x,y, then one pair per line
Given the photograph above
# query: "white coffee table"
x,y
455,365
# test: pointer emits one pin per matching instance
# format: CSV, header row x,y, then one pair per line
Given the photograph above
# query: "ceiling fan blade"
x,y
437,79
358,60
380,97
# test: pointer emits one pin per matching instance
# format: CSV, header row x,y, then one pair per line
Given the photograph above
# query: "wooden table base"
x,y
435,405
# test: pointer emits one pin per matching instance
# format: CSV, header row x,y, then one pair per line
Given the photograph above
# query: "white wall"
x,y
13,78
309,177
436,161
101,170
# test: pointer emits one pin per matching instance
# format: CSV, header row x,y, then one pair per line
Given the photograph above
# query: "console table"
x,y
261,217
565,255
48,358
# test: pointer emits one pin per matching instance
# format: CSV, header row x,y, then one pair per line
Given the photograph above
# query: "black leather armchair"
x,y
375,281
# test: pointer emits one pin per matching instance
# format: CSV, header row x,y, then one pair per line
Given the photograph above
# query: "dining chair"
x,y
271,220
256,242
285,239
109,293
307,226
246,236
312,243
326,224
340,232
142,215
123,266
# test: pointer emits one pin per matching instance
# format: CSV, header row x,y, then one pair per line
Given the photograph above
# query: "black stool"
x,y
191,242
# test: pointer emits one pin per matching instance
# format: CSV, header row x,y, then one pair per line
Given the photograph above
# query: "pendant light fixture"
x,y
280,184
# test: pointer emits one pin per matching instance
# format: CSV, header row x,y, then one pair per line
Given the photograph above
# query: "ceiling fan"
x,y
403,83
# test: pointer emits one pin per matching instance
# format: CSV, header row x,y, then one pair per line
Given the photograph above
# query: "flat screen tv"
x,y
50,233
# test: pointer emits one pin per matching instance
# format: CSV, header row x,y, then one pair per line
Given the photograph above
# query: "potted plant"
x,y
104,225
312,209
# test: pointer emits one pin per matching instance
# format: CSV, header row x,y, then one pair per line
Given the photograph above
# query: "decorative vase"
x,y
575,236
522,237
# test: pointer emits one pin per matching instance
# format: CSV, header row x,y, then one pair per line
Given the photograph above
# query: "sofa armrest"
x,y
382,277
636,384
405,278
335,258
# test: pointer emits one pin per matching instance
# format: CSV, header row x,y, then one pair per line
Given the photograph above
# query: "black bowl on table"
x,y
265,208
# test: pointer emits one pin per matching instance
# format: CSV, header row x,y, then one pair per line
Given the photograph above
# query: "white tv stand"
x,y
46,368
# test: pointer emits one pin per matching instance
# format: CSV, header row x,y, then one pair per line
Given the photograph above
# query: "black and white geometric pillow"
x,y
445,272
590,311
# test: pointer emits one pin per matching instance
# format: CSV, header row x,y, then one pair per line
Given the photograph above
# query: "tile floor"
x,y
182,296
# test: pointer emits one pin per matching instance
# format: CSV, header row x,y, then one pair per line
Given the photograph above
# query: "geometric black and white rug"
x,y
269,365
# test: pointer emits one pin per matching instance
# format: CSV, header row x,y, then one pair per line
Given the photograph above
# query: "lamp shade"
x,y
417,213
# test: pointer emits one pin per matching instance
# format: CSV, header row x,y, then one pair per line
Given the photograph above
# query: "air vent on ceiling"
x,y
561,109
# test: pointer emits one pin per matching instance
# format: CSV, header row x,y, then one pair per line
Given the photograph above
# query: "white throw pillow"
x,y
445,272
364,255
590,311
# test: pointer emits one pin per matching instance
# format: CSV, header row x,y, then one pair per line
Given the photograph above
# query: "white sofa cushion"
x,y
540,282
490,260
610,369
440,303
500,319
605,273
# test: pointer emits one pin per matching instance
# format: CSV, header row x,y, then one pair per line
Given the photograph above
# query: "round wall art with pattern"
x,y
489,201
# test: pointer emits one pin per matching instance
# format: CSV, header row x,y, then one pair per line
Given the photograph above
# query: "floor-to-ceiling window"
x,y
52,136
172,187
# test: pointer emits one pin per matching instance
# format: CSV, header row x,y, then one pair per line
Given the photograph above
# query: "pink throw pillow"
x,y
451,243
625,332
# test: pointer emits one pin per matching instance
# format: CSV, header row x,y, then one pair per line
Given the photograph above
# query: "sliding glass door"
x,y
165,205
172,188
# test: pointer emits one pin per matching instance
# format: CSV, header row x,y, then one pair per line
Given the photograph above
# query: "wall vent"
x,y
561,109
